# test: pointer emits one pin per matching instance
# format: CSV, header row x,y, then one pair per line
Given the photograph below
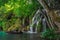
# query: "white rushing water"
x,y
35,21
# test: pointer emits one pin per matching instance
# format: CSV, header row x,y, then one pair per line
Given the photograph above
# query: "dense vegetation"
x,y
18,14
14,12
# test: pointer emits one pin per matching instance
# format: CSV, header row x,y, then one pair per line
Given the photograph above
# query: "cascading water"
x,y
40,16
35,21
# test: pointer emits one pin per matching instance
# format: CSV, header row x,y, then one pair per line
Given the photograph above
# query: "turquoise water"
x,y
24,36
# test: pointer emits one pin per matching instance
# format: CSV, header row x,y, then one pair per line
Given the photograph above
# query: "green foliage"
x,y
19,8
2,2
25,8
49,34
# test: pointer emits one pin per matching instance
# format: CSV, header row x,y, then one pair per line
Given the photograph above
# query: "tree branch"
x,y
44,5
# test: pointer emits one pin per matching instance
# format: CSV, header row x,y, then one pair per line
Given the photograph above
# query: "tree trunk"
x,y
51,13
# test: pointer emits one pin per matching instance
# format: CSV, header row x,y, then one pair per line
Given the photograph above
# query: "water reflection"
x,y
24,36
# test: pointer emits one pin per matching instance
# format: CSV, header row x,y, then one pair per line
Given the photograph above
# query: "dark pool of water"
x,y
24,36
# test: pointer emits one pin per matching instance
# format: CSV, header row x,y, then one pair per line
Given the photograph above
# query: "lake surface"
x,y
24,36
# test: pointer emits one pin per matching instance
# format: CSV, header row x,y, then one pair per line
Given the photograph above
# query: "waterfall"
x,y
35,21
40,16
44,24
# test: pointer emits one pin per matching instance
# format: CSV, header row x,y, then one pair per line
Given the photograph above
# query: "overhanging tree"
x,y
52,13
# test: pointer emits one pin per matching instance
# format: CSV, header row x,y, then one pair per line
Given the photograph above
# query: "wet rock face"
x,y
57,4
57,13
54,4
